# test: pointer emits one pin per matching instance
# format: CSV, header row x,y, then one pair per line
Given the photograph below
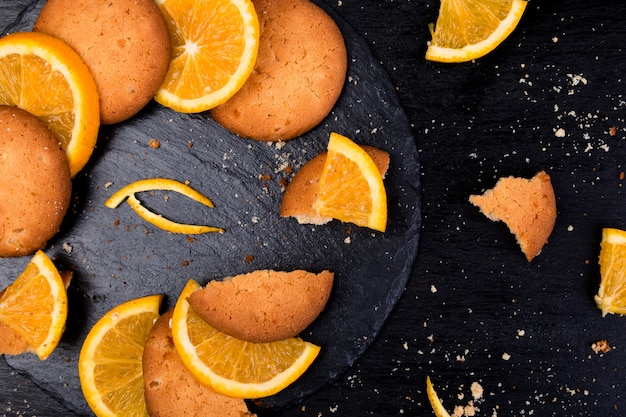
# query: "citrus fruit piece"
x,y
44,76
166,224
34,306
232,366
156,184
611,296
214,49
469,29
161,184
110,362
434,400
351,188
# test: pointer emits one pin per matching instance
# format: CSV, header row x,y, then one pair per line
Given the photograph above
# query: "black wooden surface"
x,y
474,310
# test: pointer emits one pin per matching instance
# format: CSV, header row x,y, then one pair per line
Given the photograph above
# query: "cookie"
x,y
298,76
170,390
526,206
125,44
263,305
301,192
35,195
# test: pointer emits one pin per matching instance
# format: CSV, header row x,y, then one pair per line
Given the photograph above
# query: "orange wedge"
x,y
231,366
35,306
469,29
214,49
110,362
44,76
611,296
351,188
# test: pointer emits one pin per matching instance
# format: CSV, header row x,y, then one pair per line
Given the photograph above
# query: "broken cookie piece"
x,y
263,305
526,206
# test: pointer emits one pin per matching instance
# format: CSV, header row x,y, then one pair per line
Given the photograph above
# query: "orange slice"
x,y
232,366
214,49
35,306
469,29
162,184
351,188
435,402
110,362
611,296
44,76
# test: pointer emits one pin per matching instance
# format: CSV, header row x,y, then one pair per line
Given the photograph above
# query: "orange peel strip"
x,y
156,184
435,402
166,224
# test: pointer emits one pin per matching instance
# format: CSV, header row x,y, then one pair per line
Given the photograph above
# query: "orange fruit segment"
x,y
611,296
214,49
110,363
162,184
35,306
47,78
232,366
435,402
351,188
469,29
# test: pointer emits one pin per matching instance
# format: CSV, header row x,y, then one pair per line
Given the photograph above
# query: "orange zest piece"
x,y
35,306
166,224
163,184
351,188
231,366
47,78
110,362
434,400
214,49
469,29
154,184
611,296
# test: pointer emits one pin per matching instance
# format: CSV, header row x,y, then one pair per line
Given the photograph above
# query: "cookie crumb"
x,y
154,143
601,346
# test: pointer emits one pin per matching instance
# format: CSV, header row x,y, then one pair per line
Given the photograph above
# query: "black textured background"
x,y
474,310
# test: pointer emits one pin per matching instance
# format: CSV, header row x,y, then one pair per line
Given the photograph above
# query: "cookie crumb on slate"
x,y
601,346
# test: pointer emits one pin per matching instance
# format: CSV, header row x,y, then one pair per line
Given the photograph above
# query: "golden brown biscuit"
x,y
125,44
171,390
298,77
301,192
526,206
263,305
37,186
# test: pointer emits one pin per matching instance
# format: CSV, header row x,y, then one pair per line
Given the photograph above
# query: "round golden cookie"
x,y
298,76
263,305
301,192
170,389
36,190
125,44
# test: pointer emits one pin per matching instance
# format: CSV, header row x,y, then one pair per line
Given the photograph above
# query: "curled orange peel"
x,y
166,224
162,184
156,184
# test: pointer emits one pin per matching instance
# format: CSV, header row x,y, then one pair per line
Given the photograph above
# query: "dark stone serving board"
x,y
116,256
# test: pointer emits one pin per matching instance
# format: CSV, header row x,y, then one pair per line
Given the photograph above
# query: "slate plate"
x,y
117,257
